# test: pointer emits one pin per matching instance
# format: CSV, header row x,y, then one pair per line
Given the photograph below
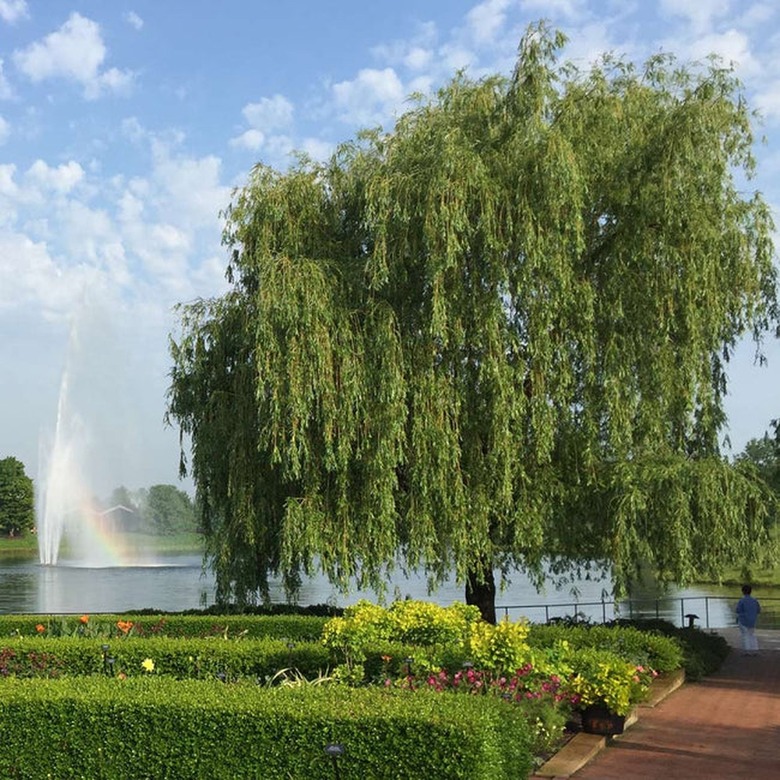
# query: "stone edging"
x,y
582,748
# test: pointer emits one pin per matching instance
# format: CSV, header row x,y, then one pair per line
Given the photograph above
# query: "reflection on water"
x,y
172,584
177,583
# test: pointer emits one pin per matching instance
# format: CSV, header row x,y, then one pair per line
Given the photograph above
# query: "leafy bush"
x,y
501,648
295,628
642,648
179,658
418,623
143,728
703,652
601,676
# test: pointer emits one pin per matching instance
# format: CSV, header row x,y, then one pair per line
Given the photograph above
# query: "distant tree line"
x,y
159,509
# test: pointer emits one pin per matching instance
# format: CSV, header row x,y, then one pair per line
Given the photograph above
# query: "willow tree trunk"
x,y
481,592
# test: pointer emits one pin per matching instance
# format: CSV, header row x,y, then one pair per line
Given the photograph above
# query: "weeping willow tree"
x,y
492,337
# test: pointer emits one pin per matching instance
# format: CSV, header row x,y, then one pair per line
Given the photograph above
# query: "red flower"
x,y
40,628
84,619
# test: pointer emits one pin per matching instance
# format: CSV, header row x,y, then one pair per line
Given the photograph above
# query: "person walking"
x,y
748,609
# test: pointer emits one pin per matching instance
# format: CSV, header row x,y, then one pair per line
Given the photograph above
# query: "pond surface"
x,y
177,582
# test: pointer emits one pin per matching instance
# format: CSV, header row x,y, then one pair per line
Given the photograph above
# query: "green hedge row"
x,y
295,628
180,658
703,651
642,648
110,729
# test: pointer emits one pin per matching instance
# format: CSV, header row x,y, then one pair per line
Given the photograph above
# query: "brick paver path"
x,y
727,726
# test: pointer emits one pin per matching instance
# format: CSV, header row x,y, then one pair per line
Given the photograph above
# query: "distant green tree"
x,y
764,455
122,496
17,500
494,336
166,509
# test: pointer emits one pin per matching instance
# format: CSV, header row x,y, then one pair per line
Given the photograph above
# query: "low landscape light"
x,y
335,750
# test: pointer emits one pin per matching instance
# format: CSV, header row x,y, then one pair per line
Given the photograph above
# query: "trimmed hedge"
x,y
643,648
703,651
180,658
296,628
108,729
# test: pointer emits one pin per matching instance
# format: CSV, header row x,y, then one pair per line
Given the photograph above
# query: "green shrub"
x,y
642,648
107,729
703,652
179,658
297,628
419,623
601,676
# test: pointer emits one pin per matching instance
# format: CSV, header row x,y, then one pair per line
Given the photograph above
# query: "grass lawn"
x,y
27,545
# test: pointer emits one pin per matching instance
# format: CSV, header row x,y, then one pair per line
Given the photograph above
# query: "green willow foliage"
x,y
495,334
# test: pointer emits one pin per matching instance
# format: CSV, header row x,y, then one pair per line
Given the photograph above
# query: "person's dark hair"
x,y
747,590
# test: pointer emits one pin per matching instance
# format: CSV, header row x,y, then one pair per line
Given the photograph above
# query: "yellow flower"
x,y
148,664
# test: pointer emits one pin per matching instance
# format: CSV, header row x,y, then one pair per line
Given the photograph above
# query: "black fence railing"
x,y
702,611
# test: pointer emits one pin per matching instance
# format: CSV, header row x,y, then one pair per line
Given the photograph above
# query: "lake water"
x,y
177,583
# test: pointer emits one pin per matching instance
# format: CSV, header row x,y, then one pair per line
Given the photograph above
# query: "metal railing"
x,y
702,611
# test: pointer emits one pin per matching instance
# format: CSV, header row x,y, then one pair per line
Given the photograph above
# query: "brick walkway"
x,y
727,726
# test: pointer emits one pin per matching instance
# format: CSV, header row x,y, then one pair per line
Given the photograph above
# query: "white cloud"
x,y
112,80
733,46
418,58
768,101
187,189
5,130
250,139
455,56
267,114
8,186
700,13
12,10
265,119
370,98
757,14
317,149
414,53
568,9
486,19
61,179
5,88
75,52
29,275
134,20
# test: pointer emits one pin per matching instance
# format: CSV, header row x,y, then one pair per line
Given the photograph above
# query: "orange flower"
x,y
40,628
124,625
84,619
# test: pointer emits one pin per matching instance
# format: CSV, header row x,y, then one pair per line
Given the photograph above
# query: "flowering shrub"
x,y
604,677
499,648
414,622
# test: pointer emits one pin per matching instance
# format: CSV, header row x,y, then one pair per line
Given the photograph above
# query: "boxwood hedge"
x,y
111,729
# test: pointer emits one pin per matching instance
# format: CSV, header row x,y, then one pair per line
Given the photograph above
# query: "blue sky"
x,y
124,127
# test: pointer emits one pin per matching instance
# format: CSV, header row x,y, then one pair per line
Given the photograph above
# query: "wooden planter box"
x,y
597,719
